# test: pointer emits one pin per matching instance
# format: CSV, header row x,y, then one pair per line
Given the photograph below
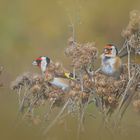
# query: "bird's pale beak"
x,y
34,63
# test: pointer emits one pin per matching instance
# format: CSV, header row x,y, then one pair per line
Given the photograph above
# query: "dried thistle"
x,y
132,32
82,55
108,86
133,25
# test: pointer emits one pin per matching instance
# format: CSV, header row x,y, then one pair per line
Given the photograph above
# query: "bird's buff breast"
x,y
108,65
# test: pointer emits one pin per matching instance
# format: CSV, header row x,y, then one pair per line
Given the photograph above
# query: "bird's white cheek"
x,y
43,66
34,63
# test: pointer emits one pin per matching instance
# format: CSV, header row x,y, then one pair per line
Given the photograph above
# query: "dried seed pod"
x,y
134,24
82,55
107,86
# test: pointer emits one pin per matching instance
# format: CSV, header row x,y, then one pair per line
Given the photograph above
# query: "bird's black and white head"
x,y
42,62
110,51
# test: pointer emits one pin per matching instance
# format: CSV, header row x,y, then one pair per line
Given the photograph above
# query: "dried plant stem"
x,y
131,95
30,108
97,70
19,95
129,60
50,108
129,84
123,47
57,117
81,117
34,101
72,26
127,96
25,96
81,81
81,120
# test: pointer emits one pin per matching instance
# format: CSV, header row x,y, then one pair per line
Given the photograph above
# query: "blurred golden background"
x,y
30,28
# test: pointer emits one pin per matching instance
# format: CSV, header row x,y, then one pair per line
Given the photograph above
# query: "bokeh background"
x,y
30,28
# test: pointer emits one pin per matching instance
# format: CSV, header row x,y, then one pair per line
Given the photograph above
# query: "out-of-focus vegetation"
x,y
29,28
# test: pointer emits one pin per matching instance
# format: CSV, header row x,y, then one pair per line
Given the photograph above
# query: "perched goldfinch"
x,y
61,81
111,63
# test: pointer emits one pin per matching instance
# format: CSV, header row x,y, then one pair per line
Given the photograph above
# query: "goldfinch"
x,y
111,63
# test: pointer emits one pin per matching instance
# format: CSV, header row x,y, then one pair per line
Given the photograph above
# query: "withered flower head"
x,y
21,81
82,55
134,24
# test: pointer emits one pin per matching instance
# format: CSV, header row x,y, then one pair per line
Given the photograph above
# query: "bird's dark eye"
x,y
109,49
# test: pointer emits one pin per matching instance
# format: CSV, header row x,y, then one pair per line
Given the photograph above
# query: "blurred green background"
x,y
30,28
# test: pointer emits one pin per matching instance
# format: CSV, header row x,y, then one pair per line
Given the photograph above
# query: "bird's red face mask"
x,y
108,50
37,62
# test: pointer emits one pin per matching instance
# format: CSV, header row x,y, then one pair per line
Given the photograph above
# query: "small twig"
x,y
97,70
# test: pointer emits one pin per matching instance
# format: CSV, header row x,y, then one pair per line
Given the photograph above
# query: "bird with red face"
x,y
111,63
42,62
58,81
